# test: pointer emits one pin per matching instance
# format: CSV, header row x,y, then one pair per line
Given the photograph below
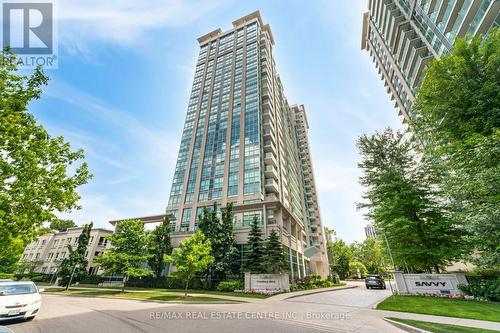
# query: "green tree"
x,y
457,116
159,245
273,260
221,236
340,255
74,266
255,249
371,256
62,225
357,269
191,257
402,200
39,174
128,252
10,255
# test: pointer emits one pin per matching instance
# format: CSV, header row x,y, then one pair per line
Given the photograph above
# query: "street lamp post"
x,y
71,277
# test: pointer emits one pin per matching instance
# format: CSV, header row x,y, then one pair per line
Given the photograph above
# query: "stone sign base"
x,y
266,281
441,284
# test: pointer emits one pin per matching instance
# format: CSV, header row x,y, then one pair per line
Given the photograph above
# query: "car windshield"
x,y
17,289
373,278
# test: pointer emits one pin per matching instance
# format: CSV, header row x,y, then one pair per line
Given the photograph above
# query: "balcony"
x,y
268,124
267,114
269,146
272,185
271,197
271,172
268,135
270,159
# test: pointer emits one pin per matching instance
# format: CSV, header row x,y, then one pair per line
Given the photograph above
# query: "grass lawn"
x,y
192,291
155,296
440,328
442,307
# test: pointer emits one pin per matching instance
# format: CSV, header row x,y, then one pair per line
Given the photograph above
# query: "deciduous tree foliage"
x,y
401,199
369,253
128,252
340,255
75,263
221,236
39,174
191,257
159,245
10,255
62,225
457,117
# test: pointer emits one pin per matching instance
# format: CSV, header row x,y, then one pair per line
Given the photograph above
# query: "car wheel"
x,y
367,287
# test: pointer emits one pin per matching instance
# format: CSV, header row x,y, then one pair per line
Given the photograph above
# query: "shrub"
x,y
6,276
479,274
311,282
229,286
488,290
91,279
35,277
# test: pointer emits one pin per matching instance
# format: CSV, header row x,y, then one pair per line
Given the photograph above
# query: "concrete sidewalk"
x,y
293,294
489,325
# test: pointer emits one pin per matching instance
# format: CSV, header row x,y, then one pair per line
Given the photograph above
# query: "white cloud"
x,y
157,144
95,208
131,174
123,22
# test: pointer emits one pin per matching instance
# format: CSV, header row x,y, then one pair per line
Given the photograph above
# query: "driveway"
x,y
359,297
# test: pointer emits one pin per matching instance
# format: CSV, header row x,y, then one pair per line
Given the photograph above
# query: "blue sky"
x,y
124,76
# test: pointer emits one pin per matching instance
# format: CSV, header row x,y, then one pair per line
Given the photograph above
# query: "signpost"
x,y
266,281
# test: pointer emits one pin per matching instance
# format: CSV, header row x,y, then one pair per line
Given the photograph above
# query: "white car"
x,y
19,300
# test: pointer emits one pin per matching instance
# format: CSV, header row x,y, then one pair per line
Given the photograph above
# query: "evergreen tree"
x,y
274,261
159,245
75,263
255,255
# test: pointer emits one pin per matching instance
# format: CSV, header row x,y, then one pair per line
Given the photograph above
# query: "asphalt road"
x,y
63,314
337,311
357,297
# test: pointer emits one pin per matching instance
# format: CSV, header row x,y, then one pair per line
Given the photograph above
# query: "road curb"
x,y
318,291
406,327
374,306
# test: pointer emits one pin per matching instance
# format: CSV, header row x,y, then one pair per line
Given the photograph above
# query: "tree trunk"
x,y
125,279
186,289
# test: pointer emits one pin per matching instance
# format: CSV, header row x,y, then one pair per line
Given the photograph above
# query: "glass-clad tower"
x,y
402,36
243,143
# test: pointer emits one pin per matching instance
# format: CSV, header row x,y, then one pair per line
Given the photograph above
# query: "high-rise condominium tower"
x,y
243,143
402,36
